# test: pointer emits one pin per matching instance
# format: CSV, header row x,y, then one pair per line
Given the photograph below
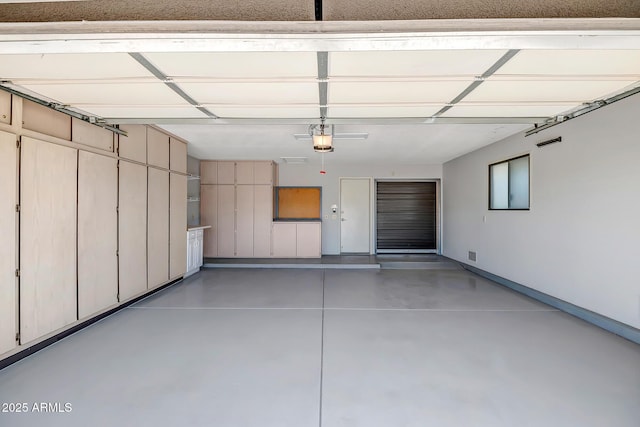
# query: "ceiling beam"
x,y
216,36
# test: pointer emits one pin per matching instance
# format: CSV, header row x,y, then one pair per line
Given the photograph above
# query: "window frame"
x,y
507,161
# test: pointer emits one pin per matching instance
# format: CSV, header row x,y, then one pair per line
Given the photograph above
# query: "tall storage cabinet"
x,y
237,199
158,227
132,229
177,224
48,182
8,223
97,233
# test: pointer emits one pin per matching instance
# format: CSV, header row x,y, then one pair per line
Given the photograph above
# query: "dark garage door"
x,y
406,216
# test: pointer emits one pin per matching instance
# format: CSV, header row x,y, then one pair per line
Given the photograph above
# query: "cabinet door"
x,y
209,216
132,230
199,260
244,221
308,240
177,155
134,145
262,220
8,224
226,221
97,233
178,225
48,182
263,173
226,172
244,173
284,240
91,135
5,107
158,231
157,148
191,250
45,120
208,172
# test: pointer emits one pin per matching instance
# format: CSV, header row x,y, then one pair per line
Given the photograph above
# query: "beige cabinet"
x,y
134,145
91,135
208,172
297,239
8,224
177,225
226,221
177,155
158,227
264,173
132,229
244,221
244,173
209,216
42,119
157,148
262,219
308,240
227,173
97,233
5,108
48,182
284,240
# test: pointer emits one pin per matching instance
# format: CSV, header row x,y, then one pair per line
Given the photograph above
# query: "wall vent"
x,y
472,256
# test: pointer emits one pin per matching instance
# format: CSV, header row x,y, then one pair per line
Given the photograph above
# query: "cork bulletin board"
x,y
296,203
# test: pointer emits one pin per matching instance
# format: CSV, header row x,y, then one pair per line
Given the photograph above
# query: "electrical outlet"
x,y
472,256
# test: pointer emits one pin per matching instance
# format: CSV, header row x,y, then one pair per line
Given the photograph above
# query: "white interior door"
x,y
355,215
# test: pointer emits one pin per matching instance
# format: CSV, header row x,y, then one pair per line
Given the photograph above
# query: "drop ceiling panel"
x,y
380,112
507,110
412,63
110,94
266,113
541,91
574,62
143,112
395,92
237,64
70,66
252,93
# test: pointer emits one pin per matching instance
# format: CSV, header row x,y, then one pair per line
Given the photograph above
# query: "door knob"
x,y
342,219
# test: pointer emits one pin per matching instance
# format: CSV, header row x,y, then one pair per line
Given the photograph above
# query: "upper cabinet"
x,y
244,172
94,136
178,155
226,172
264,173
5,107
157,148
208,172
134,145
44,120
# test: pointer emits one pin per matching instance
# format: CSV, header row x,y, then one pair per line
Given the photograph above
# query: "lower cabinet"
x,y
194,251
158,227
297,240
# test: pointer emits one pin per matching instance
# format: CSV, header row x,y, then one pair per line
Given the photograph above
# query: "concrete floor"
x,y
329,348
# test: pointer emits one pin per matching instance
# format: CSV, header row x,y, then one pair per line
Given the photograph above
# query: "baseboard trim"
x,y
72,330
606,323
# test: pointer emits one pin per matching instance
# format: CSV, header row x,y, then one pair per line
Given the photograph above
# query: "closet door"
x,y
48,182
132,230
244,221
178,225
8,223
226,221
97,233
158,231
209,216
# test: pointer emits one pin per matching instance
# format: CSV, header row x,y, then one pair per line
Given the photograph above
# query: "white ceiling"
x,y
364,88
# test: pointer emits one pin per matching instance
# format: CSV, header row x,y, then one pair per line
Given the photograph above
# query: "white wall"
x,y
309,175
580,241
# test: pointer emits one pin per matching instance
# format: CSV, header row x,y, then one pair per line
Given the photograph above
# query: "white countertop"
x,y
197,227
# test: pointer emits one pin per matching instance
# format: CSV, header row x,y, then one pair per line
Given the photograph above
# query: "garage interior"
x,y
175,251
